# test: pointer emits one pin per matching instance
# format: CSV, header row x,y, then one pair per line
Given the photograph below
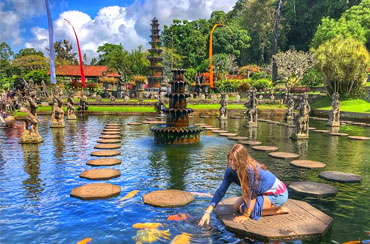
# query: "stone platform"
x,y
304,222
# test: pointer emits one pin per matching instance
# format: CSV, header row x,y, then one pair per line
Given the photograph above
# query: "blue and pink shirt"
x,y
268,184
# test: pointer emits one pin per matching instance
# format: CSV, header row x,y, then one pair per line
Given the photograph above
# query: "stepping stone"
x,y
110,137
109,141
219,131
204,116
107,146
340,176
152,119
113,124
312,188
227,134
154,122
338,134
96,191
359,138
200,124
358,123
367,125
111,133
322,131
210,128
250,143
207,126
106,153
304,222
308,164
265,148
104,162
114,130
283,155
322,119
100,174
168,198
291,126
235,117
134,123
237,138
311,128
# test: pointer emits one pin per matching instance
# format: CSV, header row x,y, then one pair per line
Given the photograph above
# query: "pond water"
x,y
36,180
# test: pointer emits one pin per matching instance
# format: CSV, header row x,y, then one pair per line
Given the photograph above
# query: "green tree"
x,y
224,64
170,60
27,52
37,76
25,64
343,63
115,57
139,62
63,53
6,53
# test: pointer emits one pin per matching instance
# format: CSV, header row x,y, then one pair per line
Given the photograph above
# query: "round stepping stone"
x,y
114,130
106,153
154,122
109,141
340,176
265,148
207,126
219,131
235,117
113,124
103,162
111,133
227,134
100,174
134,123
250,143
205,116
199,124
110,137
107,146
359,138
237,138
312,188
338,134
311,128
168,198
96,191
210,128
322,131
283,155
358,123
308,164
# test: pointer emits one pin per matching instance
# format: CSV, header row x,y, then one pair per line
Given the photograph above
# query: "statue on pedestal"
x,y
301,119
57,118
83,103
44,91
70,108
289,115
223,108
252,109
30,129
111,97
334,115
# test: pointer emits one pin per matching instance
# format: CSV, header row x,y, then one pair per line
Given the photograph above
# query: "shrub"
x,y
252,68
261,84
312,77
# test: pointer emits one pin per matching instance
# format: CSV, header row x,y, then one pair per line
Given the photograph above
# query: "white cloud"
x,y
127,25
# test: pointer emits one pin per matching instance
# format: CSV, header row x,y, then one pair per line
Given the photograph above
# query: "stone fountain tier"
x,y
176,135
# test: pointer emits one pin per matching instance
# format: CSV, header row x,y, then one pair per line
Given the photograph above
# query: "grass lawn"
x,y
348,105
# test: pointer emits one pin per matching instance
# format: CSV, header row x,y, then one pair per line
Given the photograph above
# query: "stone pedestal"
x,y
71,117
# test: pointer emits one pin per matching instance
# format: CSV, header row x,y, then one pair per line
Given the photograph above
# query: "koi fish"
x,y
129,195
146,225
351,242
178,217
184,238
150,235
84,241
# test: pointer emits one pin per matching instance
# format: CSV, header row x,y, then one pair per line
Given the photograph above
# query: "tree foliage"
x,y
27,52
63,53
343,63
25,64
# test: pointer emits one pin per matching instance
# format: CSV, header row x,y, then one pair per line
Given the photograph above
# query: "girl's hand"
x,y
240,219
204,219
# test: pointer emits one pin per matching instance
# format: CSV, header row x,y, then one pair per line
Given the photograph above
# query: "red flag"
x,y
79,55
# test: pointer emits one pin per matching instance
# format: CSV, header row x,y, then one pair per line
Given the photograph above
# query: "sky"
x,y
23,23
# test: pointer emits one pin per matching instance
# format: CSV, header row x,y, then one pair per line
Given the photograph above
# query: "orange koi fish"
x,y
129,195
184,238
146,225
178,217
351,242
84,241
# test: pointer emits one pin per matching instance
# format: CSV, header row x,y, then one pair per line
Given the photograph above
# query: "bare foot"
x,y
284,210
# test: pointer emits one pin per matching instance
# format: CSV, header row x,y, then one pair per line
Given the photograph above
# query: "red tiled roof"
x,y
89,70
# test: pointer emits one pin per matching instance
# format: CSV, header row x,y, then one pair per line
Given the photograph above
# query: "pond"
x,y
36,181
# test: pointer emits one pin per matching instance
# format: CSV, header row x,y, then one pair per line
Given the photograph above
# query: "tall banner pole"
x,y
53,79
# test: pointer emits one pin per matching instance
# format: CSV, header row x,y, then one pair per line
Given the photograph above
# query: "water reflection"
x,y
177,160
302,146
58,139
252,133
32,185
223,124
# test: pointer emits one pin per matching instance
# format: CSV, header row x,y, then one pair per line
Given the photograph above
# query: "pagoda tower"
x,y
177,129
156,69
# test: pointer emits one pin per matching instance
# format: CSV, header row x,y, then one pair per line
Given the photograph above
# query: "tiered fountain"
x,y
156,69
177,129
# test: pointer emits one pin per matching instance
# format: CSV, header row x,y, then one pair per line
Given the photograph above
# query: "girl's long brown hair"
x,y
243,161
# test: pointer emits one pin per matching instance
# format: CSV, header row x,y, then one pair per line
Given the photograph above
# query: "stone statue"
x,y
301,119
159,104
334,115
70,108
57,118
44,91
252,109
111,97
272,98
83,103
289,115
223,108
30,129
98,98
